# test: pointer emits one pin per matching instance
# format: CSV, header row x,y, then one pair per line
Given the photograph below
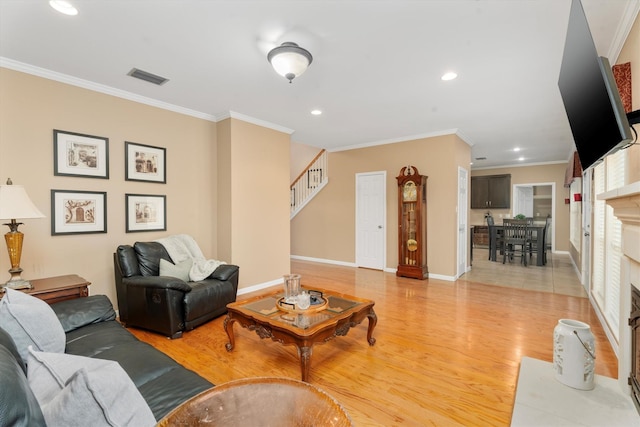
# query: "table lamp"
x,y
15,204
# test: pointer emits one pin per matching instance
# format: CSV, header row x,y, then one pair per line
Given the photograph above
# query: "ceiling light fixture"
x,y
516,149
289,60
316,112
63,7
449,76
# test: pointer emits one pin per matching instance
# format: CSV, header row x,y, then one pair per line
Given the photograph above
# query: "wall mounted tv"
x,y
591,99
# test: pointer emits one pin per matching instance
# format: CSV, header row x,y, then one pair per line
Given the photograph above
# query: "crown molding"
x,y
253,120
396,140
623,30
96,87
521,165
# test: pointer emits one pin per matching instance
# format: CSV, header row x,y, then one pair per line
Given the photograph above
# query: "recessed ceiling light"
x,y
516,149
520,158
449,76
316,112
63,7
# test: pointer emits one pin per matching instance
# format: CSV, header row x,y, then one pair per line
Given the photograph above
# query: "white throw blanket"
x,y
182,247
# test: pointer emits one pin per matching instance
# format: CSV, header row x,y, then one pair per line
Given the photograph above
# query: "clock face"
x,y
409,192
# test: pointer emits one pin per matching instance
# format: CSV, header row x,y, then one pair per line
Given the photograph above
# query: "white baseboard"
x,y
324,261
260,286
442,277
351,264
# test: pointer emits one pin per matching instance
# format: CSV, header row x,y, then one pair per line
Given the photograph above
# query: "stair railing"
x,y
310,181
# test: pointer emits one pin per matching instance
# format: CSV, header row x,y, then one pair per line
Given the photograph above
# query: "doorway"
x,y
538,201
371,207
463,229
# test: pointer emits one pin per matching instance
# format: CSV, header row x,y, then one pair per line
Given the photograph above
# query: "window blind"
x,y
615,167
598,237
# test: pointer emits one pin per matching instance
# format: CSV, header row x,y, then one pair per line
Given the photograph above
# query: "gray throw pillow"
x,y
83,391
179,270
31,322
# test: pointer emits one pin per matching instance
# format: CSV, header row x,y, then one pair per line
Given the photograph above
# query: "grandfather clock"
x,y
412,224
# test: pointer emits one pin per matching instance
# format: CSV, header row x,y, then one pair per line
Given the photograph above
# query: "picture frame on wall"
x,y
78,212
80,155
145,163
145,212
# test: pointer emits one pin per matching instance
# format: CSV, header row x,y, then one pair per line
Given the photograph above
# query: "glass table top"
x,y
267,307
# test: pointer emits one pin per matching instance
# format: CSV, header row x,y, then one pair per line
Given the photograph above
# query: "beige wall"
x,y
232,196
301,156
225,215
31,107
259,186
533,175
631,53
325,228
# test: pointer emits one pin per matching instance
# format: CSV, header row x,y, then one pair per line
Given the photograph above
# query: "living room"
x,y
227,182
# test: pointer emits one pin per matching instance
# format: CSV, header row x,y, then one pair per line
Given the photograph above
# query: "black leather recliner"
x,y
163,304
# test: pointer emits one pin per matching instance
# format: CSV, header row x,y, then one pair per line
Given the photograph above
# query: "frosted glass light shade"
x,y
289,60
16,204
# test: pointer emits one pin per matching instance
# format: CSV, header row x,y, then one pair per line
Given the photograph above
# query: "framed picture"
x,y
145,163
314,178
146,212
76,154
78,212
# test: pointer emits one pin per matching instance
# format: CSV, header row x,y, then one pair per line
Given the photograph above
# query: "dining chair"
x,y
517,239
499,237
540,238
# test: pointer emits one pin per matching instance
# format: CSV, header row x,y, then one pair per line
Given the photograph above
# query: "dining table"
x,y
537,233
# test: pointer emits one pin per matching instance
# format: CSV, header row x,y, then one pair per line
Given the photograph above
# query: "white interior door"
x,y
371,206
524,201
463,229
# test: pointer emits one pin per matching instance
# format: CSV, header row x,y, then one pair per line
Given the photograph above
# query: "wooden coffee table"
x,y
260,314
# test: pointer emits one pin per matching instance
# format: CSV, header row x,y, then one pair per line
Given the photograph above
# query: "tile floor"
x,y
557,276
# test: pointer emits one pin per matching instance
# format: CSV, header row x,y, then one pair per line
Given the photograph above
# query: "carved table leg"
x,y
373,320
305,361
228,327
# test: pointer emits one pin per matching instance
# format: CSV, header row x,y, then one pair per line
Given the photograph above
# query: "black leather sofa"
x,y
92,331
164,304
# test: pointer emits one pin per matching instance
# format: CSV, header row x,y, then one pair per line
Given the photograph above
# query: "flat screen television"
x,y
591,99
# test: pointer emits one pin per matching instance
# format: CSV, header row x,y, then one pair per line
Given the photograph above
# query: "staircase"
x,y
309,183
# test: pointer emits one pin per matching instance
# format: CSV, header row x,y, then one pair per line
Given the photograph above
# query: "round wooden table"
x,y
282,402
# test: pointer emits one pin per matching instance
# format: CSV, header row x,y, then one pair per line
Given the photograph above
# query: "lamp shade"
x,y
16,204
289,60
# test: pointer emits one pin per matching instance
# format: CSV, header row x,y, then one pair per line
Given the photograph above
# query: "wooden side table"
x,y
59,288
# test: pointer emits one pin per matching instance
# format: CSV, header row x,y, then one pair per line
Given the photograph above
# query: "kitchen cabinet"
x,y
491,192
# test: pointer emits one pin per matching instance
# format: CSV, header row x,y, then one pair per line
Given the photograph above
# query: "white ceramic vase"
x,y
574,352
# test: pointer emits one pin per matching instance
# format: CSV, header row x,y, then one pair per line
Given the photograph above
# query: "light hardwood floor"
x,y
447,353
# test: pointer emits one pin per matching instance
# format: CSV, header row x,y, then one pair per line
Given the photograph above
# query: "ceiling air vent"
x,y
481,158
147,77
